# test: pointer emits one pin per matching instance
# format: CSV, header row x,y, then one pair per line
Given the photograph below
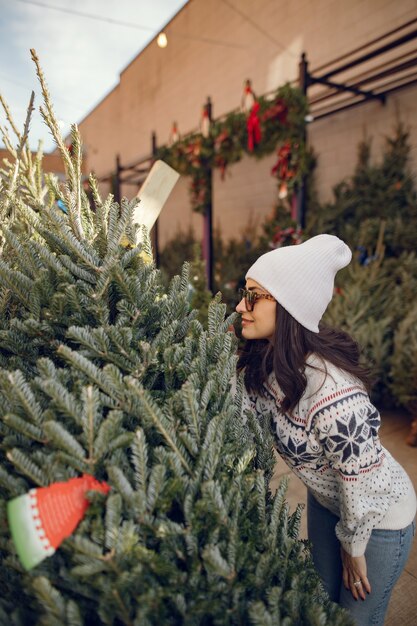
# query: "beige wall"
x,y
162,85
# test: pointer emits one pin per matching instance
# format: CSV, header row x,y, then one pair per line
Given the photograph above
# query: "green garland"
x,y
281,121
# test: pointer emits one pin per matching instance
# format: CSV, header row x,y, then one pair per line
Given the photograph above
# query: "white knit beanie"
x,y
301,277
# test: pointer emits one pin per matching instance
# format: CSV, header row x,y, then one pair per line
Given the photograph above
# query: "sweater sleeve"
x,y
346,424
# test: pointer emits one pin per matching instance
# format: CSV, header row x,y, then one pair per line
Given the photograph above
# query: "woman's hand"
x,y
354,570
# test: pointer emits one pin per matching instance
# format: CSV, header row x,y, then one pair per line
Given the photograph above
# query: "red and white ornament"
x,y
174,134
248,97
205,123
40,520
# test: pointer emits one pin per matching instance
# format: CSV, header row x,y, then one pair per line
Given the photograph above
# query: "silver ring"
x,y
357,583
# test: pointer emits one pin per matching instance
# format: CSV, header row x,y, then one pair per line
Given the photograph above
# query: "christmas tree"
x,y
375,211
381,192
107,374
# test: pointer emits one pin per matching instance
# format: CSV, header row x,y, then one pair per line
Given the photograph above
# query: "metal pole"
x,y
156,225
116,183
208,217
303,80
153,143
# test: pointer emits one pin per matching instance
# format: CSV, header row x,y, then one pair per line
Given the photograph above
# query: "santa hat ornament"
x,y
205,123
282,190
174,135
40,520
248,98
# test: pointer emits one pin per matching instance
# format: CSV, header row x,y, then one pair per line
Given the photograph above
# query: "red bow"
x,y
254,127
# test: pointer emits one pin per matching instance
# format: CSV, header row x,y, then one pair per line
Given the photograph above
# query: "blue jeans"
x,y
386,555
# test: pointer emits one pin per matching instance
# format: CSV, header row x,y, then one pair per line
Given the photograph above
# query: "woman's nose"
x,y
241,307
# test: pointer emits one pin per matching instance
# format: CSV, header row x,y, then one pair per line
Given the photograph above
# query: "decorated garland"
x,y
258,129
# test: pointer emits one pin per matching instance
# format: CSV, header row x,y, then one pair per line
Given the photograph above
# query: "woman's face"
x,y
259,323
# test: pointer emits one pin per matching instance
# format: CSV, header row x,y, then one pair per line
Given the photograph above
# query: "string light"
x,y
162,40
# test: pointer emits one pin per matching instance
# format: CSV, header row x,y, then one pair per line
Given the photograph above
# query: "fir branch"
x,y
77,271
166,456
294,522
189,441
112,219
119,479
278,504
83,364
64,440
61,398
119,226
213,444
97,199
261,498
123,441
153,412
216,315
112,519
86,547
106,433
77,189
49,597
89,418
12,484
26,466
25,397
13,179
95,339
24,137
215,563
191,406
209,388
259,615
245,460
20,285
27,261
140,461
51,121
32,432
9,118
212,491
124,611
79,248
73,614
155,486
47,258
68,462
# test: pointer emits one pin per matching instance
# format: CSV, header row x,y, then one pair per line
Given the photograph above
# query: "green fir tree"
x,y
104,371
375,212
377,192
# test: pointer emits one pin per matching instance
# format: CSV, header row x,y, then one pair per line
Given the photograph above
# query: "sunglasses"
x,y
251,298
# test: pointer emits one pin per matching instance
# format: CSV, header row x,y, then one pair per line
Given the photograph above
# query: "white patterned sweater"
x,y
331,442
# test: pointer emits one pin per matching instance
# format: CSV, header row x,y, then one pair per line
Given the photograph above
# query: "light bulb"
x,y
162,40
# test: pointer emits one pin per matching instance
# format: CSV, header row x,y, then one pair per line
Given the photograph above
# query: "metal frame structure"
x,y
368,73
398,69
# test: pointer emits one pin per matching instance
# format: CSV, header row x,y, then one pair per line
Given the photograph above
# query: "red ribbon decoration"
x,y
278,110
222,140
253,127
281,166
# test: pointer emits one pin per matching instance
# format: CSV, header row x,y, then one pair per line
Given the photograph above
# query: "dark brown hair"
x,y
287,353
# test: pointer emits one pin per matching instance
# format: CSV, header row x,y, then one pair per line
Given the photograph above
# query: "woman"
x,y
361,503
